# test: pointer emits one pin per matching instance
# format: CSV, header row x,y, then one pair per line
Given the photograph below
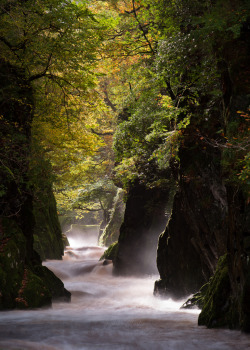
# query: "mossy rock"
x,y
112,230
111,252
196,300
53,283
65,240
23,285
216,311
12,253
33,292
48,239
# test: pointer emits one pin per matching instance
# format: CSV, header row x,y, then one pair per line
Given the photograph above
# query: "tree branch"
x,y
141,27
106,98
170,91
43,73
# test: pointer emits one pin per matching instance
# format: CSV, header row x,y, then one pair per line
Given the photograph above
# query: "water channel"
x,y
109,313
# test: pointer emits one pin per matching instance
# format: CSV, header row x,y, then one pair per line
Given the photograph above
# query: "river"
x,y
109,313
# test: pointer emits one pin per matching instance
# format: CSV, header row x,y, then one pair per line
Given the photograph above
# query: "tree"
x,y
180,78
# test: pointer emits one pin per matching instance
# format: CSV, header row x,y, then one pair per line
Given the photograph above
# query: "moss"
x,y
216,311
53,284
112,230
197,300
111,252
48,239
33,292
65,240
23,285
12,253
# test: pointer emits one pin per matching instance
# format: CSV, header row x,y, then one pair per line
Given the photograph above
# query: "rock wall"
x,y
24,282
48,239
210,217
196,235
144,219
112,230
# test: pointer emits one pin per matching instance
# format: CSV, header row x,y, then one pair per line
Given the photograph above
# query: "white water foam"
x,y
110,313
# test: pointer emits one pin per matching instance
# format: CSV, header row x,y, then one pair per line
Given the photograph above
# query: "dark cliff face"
x,y
24,282
197,232
48,239
210,218
235,309
145,218
210,215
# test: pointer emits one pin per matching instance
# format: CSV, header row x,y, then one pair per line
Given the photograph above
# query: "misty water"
x,y
108,312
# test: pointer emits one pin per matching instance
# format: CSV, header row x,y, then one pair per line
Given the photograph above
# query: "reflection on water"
x,y
109,313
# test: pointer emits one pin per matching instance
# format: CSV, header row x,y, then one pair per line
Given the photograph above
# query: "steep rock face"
x,y
234,303
48,239
211,210
111,232
23,282
144,219
209,219
236,310
197,232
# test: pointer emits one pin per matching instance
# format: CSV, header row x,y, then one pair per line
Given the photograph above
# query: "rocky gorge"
x,y
181,167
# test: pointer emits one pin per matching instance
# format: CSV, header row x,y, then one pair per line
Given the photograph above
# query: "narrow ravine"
x,y
108,312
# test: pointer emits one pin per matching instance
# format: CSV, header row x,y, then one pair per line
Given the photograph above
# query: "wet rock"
x,y
196,234
48,238
107,262
53,284
215,304
144,219
112,230
196,300
110,253
21,284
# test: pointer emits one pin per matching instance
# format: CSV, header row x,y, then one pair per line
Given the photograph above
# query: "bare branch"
x,y
129,12
240,146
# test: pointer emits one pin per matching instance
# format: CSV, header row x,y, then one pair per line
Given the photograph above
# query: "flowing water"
x,y
109,313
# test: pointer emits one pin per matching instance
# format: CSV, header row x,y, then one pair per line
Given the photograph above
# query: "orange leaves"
x,y
244,115
20,299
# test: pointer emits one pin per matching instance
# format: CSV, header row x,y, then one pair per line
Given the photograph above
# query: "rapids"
x,y
109,313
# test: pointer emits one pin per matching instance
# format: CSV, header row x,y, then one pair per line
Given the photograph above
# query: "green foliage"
x,y
89,197
244,174
176,79
57,45
88,63
150,138
235,155
51,39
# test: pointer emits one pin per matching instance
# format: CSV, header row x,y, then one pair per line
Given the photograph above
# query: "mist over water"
x,y
109,313
83,235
